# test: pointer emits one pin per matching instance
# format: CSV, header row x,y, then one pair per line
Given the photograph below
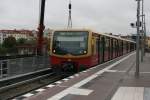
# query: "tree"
x,y
32,41
10,44
21,41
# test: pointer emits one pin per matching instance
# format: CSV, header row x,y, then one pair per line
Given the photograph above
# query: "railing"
x,y
3,69
11,67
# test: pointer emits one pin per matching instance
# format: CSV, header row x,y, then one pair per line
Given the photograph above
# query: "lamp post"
x,y
137,39
142,33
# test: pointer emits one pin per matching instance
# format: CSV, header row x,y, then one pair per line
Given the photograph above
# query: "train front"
x,y
70,50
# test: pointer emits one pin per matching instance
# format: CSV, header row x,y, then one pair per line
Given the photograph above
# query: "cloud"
x,y
101,15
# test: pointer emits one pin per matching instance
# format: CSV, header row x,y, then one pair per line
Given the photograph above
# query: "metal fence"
x,y
18,66
3,69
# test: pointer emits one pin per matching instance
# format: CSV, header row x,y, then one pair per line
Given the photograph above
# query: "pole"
x,y
137,39
142,33
69,17
41,28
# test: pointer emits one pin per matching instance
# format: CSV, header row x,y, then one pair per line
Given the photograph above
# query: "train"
x,y
73,50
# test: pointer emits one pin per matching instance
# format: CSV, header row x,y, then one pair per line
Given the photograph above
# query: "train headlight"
x,y
54,51
85,51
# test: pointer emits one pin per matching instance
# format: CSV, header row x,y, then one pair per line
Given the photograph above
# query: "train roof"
x,y
104,34
112,36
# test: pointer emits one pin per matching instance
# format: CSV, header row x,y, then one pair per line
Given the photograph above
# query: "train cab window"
x,y
70,42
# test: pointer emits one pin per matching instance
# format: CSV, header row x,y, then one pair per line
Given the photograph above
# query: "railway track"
x,y
16,86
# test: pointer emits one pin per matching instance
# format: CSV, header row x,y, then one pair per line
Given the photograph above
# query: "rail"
x,y
25,78
16,86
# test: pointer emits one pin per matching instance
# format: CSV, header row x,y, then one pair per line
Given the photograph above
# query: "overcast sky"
x,y
100,15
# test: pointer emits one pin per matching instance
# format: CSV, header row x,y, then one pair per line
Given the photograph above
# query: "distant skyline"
x,y
113,16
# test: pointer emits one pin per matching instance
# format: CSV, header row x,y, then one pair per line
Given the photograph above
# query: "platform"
x,y
113,80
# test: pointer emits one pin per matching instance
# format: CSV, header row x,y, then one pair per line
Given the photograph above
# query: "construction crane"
x,y
41,28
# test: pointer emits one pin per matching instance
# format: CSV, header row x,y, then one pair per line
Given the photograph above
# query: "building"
x,y
26,34
148,42
48,33
26,49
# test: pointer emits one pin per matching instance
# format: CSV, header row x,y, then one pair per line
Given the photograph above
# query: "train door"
x,y
133,46
105,48
124,47
117,47
130,47
101,48
121,47
114,48
98,49
95,57
111,48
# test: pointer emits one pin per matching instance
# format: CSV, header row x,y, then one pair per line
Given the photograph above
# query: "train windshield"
x,y
70,42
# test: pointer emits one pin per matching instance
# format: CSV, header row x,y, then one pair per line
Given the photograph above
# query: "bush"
x,y
3,51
